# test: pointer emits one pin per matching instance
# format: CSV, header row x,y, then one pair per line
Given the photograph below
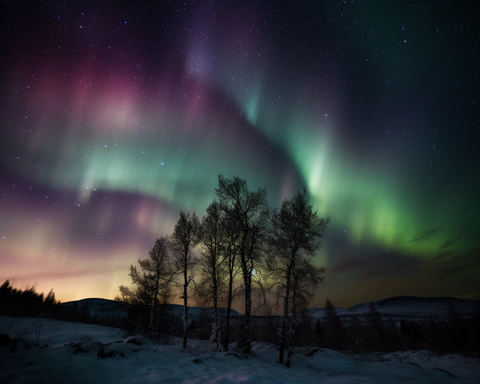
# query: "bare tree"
x,y
305,279
184,239
212,264
231,231
154,279
249,211
295,237
333,332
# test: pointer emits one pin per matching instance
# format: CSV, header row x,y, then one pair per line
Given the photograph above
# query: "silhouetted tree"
x,y
28,302
153,281
249,211
318,331
355,334
304,328
211,263
377,332
231,229
296,236
50,299
332,327
184,239
305,279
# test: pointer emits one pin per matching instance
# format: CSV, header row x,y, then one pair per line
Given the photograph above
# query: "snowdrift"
x,y
35,350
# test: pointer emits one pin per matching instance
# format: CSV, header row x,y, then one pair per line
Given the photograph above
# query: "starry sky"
x,y
114,115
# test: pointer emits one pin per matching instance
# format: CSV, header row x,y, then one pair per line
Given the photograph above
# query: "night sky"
x,y
114,115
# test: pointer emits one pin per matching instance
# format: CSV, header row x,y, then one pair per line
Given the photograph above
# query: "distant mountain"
x,y
97,306
395,307
103,307
409,307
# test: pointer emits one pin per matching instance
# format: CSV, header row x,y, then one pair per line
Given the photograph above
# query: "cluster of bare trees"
x,y
239,243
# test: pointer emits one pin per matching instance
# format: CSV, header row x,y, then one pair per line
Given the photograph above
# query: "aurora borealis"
x,y
115,115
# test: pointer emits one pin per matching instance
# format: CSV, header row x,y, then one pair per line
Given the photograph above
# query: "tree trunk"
x,y
290,346
285,321
291,333
248,306
185,309
151,317
229,307
215,313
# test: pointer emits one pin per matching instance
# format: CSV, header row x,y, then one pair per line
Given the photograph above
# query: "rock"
x,y
5,340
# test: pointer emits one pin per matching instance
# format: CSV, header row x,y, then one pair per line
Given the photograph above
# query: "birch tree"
x,y
153,280
249,211
295,237
231,230
212,264
184,239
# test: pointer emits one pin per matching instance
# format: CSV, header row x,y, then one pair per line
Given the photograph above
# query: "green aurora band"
x,y
369,111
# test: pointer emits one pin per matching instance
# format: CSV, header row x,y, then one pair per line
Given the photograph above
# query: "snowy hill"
x,y
34,350
409,307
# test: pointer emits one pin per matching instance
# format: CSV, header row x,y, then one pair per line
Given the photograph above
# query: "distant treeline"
x,y
28,302
359,334
373,333
356,335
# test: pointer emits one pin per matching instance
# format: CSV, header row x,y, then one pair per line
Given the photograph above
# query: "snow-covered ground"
x,y
53,351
